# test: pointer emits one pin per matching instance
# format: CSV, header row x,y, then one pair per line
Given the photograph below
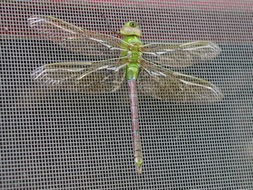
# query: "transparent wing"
x,y
76,39
180,55
89,77
166,84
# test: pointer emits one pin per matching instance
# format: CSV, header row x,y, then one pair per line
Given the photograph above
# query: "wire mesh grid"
x,y
56,138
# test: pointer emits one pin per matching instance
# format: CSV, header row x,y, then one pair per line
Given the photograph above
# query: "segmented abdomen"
x,y
135,125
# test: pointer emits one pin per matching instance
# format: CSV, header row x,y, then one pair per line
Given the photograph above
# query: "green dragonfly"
x,y
128,58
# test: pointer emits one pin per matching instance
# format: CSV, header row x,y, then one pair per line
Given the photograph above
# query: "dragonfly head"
x,y
130,28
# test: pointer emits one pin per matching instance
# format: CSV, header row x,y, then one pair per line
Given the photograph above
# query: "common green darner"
x,y
128,59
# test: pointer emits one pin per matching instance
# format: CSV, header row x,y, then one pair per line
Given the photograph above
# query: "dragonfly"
x,y
145,66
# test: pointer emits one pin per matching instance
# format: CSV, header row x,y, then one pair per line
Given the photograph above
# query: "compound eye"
x,y
132,24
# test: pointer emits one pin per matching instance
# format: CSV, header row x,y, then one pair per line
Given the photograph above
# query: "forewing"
x,y
89,77
180,55
76,39
169,85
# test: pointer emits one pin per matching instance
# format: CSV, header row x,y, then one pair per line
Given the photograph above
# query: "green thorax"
x,y
134,54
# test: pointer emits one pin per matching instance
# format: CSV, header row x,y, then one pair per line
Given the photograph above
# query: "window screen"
x,y
56,138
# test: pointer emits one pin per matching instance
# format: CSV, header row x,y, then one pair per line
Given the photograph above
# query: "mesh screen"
x,y
56,138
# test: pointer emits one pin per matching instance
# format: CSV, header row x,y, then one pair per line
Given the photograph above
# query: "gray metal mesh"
x,y
54,138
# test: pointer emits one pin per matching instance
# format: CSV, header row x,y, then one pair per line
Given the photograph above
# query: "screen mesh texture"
x,y
54,138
